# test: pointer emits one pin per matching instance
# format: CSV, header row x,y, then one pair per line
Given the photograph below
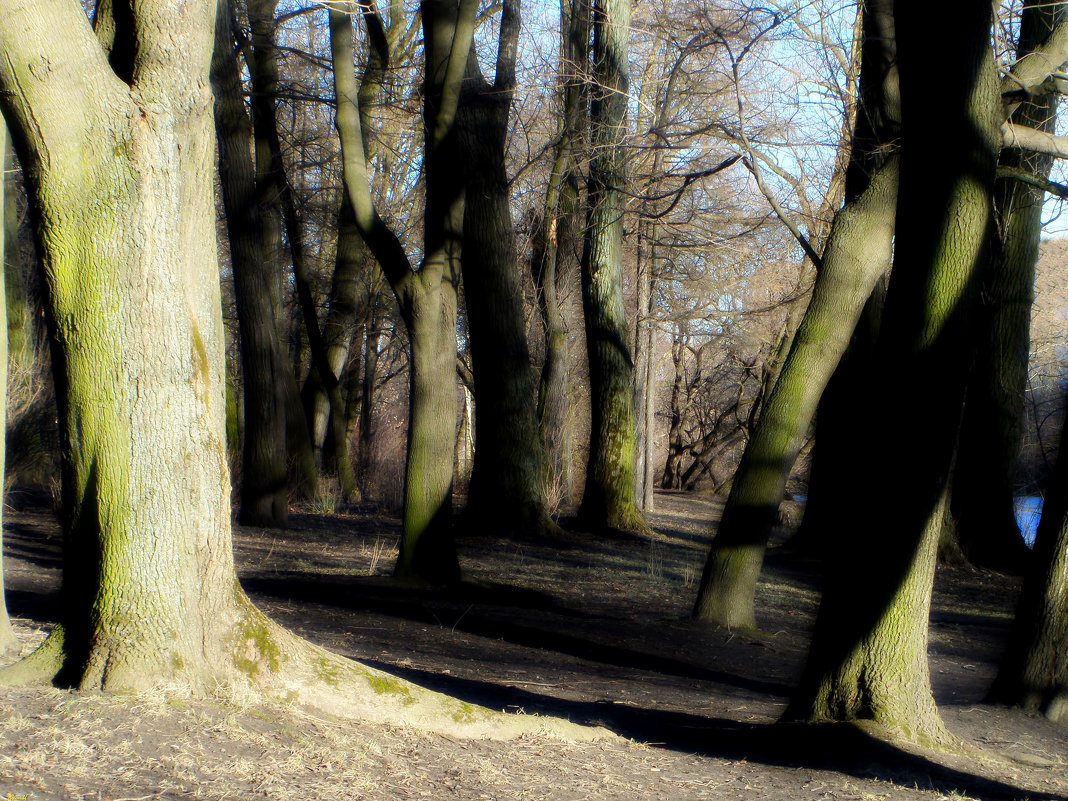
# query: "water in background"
x,y
1028,511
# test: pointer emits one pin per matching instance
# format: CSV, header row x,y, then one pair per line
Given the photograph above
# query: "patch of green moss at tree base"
x,y
386,685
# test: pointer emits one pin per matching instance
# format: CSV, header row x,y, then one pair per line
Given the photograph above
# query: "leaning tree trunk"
x,y
1033,671
857,253
8,643
609,501
508,480
869,650
264,491
985,476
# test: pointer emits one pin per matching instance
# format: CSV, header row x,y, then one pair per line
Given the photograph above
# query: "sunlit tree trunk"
x,y
985,474
264,490
869,650
856,255
608,500
120,181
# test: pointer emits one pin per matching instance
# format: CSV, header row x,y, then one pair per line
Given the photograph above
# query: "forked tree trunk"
x,y
869,650
8,643
427,297
120,185
264,490
508,480
608,500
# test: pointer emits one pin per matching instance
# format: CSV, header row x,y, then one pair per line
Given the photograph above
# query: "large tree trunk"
x,y
985,476
120,183
1033,671
608,500
264,491
8,643
507,483
869,651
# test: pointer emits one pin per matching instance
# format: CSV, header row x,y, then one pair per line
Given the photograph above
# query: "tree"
x,y
264,490
120,186
508,479
427,296
609,498
985,474
857,254
869,649
1033,673
8,643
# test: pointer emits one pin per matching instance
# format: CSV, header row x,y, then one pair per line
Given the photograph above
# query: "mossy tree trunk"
x,y
985,474
428,296
264,490
608,500
1033,672
869,650
121,191
508,479
8,643
856,255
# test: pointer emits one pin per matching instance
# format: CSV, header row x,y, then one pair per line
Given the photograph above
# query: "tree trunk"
x,y
608,500
1033,671
857,253
120,184
277,215
264,493
8,643
557,247
427,297
869,650
507,483
985,476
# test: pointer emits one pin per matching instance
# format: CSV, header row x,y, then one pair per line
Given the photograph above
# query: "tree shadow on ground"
x,y
844,748
399,601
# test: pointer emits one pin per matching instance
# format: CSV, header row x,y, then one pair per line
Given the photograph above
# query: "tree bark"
x,y
1033,672
264,490
427,297
985,476
869,651
508,479
8,643
856,255
557,247
608,500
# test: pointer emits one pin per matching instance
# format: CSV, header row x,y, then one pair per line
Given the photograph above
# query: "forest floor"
x,y
594,631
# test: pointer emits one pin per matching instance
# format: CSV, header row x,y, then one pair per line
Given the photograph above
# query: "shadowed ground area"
x,y
595,631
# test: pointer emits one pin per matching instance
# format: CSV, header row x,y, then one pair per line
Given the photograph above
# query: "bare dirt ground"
x,y
590,630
